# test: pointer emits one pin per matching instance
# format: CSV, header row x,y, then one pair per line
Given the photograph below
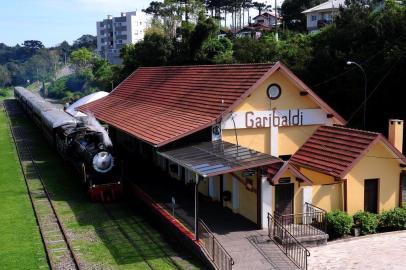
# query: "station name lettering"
x,y
292,118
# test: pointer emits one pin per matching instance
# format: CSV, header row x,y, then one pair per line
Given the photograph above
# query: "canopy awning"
x,y
218,157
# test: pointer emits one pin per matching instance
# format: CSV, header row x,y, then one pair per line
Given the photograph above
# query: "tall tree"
x,y
85,41
34,45
5,77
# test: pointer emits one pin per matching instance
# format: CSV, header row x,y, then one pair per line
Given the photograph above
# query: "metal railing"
x,y
221,259
312,222
295,251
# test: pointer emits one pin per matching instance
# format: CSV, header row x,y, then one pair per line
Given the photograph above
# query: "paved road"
x,y
381,251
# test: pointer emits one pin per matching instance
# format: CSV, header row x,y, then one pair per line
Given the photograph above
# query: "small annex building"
x,y
256,136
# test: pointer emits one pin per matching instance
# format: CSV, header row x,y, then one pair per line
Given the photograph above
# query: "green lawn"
x,y
97,238
5,93
20,242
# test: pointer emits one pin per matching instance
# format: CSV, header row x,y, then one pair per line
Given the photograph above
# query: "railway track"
x,y
60,254
59,251
132,225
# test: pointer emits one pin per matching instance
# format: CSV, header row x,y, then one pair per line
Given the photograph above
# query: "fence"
x,y
296,252
215,251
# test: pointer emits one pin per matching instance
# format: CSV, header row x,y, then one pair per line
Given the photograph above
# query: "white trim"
x,y
264,119
307,193
274,134
266,201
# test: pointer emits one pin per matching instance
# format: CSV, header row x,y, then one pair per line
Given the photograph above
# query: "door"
x,y
284,199
403,188
371,195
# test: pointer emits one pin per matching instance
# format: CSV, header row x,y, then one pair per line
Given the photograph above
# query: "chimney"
x,y
395,134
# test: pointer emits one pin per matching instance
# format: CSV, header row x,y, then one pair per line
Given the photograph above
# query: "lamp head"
x,y
350,63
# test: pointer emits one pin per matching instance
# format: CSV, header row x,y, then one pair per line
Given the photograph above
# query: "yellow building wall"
x,y
316,177
328,197
255,138
290,138
327,193
247,199
386,169
248,202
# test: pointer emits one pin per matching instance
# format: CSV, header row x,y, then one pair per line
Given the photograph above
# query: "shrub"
x,y
368,222
3,92
394,219
339,223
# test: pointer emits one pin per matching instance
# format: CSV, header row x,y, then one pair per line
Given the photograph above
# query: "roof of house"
x,y
266,14
329,5
162,104
255,27
277,169
336,150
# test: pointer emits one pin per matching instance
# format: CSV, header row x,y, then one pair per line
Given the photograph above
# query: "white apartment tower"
x,y
114,32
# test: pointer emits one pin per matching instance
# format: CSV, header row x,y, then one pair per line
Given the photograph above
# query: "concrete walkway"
x,y
249,247
379,251
254,250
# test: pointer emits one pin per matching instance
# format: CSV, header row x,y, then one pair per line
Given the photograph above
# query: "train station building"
x,y
253,139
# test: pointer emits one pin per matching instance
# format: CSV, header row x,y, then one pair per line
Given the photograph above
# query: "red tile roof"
x,y
162,104
335,150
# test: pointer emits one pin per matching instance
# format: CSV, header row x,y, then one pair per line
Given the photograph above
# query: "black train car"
x,y
84,144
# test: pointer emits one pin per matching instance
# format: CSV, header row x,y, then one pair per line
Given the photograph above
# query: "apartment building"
x,y
114,32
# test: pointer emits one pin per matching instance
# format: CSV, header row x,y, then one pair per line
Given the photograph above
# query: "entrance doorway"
x,y
284,199
371,195
402,189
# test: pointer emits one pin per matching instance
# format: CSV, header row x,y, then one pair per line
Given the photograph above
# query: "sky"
x,y
53,21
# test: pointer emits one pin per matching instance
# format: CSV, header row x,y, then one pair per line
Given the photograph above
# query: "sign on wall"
x,y
275,118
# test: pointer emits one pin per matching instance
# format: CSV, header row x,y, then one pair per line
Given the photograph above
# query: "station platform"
x,y
249,247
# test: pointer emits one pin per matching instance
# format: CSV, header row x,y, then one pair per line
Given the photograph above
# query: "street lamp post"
x,y
365,89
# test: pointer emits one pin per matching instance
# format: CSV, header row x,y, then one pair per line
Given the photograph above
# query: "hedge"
x,y
339,223
368,222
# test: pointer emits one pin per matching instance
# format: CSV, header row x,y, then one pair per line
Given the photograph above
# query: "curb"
x,y
364,237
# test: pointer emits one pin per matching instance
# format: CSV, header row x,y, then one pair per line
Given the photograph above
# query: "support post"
x,y
307,192
197,208
267,200
274,130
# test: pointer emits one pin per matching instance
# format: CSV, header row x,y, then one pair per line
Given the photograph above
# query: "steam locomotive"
x,y
81,141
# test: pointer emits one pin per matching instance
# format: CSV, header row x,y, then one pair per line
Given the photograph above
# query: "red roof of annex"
x,y
336,150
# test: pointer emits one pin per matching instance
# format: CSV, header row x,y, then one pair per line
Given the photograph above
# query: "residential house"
x,y
321,15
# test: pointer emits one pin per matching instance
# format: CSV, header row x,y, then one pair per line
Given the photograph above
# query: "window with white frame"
x,y
314,18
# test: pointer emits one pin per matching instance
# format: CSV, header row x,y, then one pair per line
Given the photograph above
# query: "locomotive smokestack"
x,y
92,122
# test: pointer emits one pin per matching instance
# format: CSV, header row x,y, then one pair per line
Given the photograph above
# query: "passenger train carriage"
x,y
79,142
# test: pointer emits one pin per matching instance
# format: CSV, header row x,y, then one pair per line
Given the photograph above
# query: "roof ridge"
x,y
353,129
214,65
